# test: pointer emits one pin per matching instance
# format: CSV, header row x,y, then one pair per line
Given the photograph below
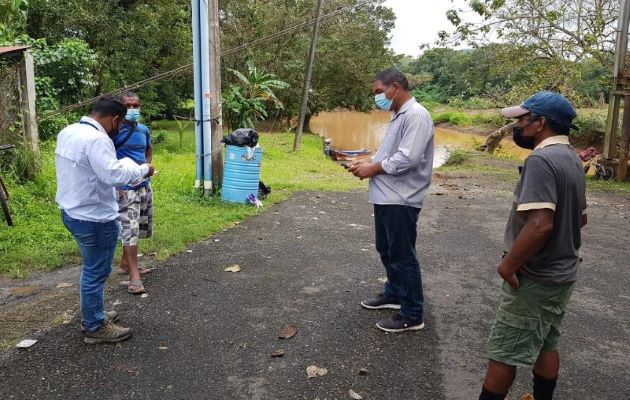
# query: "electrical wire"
x,y
166,74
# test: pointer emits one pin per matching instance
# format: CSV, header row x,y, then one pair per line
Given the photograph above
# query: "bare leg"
x,y
499,377
546,372
130,254
547,365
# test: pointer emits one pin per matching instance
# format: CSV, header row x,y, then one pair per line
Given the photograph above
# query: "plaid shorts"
x,y
136,215
528,321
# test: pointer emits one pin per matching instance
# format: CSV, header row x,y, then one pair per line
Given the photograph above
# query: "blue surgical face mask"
x,y
383,102
133,114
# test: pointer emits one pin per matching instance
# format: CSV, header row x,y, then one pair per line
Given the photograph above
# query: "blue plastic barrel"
x,y
240,175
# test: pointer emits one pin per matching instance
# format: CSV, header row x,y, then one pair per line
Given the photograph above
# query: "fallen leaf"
x,y
363,371
277,353
288,332
140,255
117,303
188,251
64,285
163,348
382,280
354,395
233,268
144,295
124,283
528,397
314,371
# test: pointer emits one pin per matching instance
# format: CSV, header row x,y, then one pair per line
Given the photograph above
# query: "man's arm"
x,y
108,169
148,154
411,150
530,241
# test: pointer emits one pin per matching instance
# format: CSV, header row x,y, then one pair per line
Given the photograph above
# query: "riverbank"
x,y
308,262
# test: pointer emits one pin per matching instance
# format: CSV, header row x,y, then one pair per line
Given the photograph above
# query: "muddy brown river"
x,y
352,130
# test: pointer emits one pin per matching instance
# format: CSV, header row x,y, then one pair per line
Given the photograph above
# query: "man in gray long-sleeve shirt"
x,y
400,175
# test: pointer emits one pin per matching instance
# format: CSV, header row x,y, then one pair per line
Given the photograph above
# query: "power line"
x,y
166,74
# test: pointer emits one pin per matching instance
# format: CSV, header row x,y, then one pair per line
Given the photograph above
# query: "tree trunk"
x,y
492,142
307,123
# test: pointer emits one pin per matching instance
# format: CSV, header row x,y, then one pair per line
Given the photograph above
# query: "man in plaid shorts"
x,y
135,200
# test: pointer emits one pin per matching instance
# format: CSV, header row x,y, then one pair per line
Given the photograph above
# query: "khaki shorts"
x,y
136,215
528,321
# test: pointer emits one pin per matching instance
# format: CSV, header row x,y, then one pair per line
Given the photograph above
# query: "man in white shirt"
x,y
87,174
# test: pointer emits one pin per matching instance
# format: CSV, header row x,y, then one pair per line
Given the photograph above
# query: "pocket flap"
x,y
517,321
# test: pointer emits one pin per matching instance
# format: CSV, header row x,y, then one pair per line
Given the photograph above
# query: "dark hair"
x,y
391,75
561,129
128,94
108,106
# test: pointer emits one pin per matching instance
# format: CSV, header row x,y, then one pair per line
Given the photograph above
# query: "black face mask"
x,y
114,132
521,141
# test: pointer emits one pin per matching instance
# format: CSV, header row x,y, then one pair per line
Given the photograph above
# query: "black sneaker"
x,y
397,324
381,302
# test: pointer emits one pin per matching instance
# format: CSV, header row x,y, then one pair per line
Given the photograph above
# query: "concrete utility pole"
x,y
216,109
309,75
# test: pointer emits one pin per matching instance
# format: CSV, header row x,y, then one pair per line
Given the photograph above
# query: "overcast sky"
x,y
419,21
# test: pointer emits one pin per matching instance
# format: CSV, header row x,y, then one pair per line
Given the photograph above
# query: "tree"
x,y
555,29
352,47
12,17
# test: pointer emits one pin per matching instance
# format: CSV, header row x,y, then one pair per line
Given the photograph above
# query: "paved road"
x,y
207,334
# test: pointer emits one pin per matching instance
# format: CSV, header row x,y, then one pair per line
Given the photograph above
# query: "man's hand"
x,y
361,161
151,170
365,169
509,276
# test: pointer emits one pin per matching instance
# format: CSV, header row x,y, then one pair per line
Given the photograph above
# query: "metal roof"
x,y
12,49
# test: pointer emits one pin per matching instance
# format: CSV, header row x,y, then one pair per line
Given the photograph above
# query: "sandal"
x,y
135,287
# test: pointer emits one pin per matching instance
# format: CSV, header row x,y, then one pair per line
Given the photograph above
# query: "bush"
x,y
453,117
456,157
473,103
159,136
592,127
429,94
49,128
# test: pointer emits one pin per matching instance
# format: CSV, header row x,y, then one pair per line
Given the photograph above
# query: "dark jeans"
x,y
97,242
396,235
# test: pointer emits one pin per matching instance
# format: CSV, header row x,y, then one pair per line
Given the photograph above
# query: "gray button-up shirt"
x,y
407,158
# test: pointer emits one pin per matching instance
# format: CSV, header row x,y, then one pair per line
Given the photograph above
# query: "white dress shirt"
x,y
88,172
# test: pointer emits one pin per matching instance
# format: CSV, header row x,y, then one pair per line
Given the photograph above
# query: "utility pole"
x,y
620,92
309,75
201,77
216,109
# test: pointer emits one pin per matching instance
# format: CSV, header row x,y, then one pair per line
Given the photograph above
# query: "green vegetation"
x,y
38,241
456,157
246,102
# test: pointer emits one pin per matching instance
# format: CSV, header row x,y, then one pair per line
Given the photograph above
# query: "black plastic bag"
x,y
263,190
242,137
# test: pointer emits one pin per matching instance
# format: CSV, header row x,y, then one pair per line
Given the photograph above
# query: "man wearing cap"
x,y
542,241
